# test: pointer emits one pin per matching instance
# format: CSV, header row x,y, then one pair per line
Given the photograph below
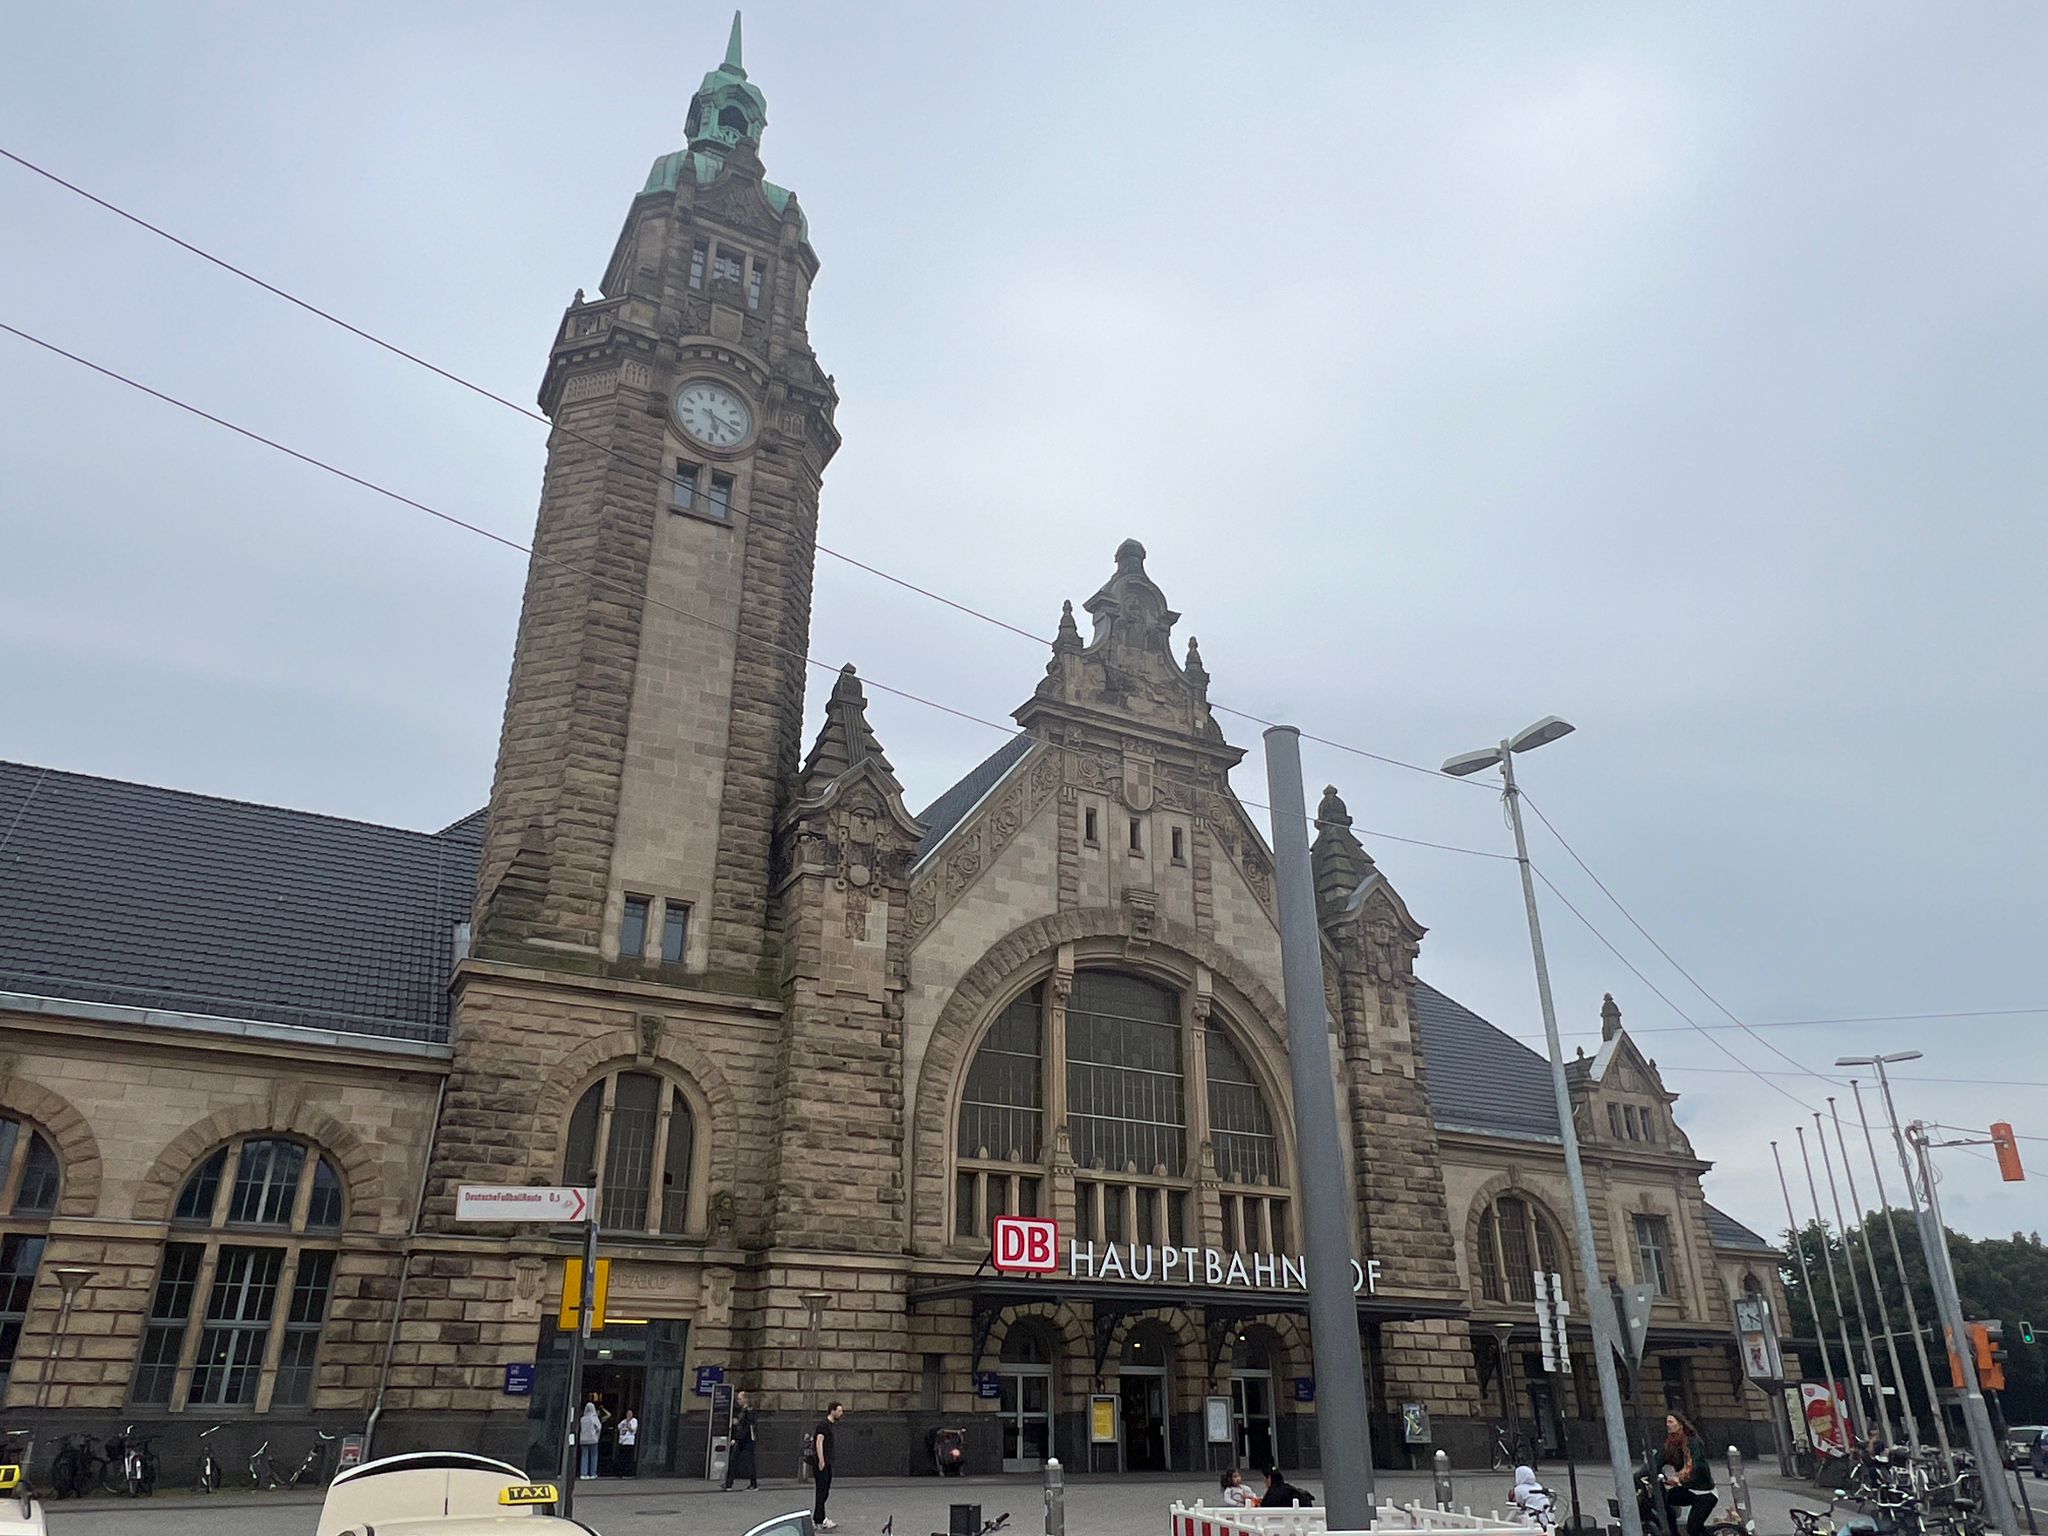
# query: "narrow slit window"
x,y
1180,846
675,933
697,253
633,928
754,286
686,485
722,497
1090,833
1137,835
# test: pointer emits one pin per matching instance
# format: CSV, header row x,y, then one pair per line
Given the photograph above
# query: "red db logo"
x,y
1026,1244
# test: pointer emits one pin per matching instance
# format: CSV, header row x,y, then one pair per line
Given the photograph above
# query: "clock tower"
x,y
652,729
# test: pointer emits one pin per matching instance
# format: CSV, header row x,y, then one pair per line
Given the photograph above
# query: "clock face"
x,y
712,414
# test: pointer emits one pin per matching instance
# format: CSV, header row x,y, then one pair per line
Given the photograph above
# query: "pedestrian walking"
x,y
739,1451
822,1464
629,1444
589,1431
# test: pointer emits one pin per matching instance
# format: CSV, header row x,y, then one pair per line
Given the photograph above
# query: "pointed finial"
x,y
1197,673
1069,637
732,48
1610,1017
1332,812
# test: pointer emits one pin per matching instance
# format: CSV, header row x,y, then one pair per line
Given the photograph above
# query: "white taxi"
x,y
441,1493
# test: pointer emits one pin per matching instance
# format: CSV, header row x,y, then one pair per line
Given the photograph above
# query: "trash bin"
x,y
964,1520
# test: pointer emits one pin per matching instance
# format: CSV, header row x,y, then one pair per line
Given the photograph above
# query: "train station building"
x,y
806,1043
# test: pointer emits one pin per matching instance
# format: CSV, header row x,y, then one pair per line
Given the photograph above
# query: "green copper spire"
x,y
727,111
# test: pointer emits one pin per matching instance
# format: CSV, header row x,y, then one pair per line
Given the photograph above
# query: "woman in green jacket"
x,y
1688,1476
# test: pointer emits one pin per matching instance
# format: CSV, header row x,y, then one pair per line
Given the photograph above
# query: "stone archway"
x,y
370,1207
78,1150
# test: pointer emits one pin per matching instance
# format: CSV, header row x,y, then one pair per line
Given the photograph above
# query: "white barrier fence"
x,y
1199,1519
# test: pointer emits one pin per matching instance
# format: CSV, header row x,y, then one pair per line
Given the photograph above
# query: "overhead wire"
x,y
599,579
659,472
880,573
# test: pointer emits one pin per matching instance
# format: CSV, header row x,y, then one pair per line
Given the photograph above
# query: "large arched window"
x,y
634,1136
236,1315
28,1197
1140,1085
1515,1240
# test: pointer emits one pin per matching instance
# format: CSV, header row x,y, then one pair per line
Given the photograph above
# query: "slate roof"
x,y
1727,1232
153,898
1480,1079
951,808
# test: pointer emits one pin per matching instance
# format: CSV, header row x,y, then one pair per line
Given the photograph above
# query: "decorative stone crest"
x,y
650,1027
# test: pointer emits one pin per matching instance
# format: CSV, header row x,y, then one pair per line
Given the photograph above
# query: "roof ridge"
x,y
251,805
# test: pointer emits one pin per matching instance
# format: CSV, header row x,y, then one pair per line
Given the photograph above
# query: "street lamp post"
x,y
1942,1278
72,1278
1544,731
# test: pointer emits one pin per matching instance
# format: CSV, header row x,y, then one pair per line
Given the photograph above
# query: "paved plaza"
x,y
1096,1506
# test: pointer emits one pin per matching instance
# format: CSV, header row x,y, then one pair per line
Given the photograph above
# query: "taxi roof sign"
x,y
10,1476
530,1493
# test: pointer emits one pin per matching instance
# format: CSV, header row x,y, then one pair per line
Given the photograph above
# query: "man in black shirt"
x,y
739,1454
822,1464
1281,1494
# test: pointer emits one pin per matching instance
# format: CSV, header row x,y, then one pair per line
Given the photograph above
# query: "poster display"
x,y
1219,1420
1825,1425
1102,1419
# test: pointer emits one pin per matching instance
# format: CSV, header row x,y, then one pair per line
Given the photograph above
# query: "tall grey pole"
x,y
1599,1310
1884,1311
1884,1205
1942,1278
1852,1398
586,1305
1884,1418
1820,1333
1976,1414
1325,1188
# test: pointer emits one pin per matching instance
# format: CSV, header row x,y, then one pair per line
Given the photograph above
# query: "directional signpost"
x,y
550,1202
1551,1311
523,1202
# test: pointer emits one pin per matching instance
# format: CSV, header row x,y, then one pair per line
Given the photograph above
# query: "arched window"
x,y
28,1197
1002,1121
1116,1057
236,1315
633,1134
1516,1239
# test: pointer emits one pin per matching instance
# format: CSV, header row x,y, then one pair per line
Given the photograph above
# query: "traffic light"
x,y
2026,1333
1991,1365
2007,1146
1987,1349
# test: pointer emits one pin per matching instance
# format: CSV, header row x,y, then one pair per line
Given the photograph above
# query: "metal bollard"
x,y
1443,1479
1055,1497
1738,1491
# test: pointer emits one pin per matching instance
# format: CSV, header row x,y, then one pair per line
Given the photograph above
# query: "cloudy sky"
x,y
1678,371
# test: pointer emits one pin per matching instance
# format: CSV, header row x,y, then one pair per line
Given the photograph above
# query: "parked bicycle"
x,y
131,1465
208,1479
264,1473
1510,1449
75,1470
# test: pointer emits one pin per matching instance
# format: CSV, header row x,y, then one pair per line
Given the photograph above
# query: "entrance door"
x,y
1543,1414
1143,1395
616,1387
1251,1401
1027,1419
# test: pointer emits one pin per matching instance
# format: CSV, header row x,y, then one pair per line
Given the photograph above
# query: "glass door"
x,y
1251,1401
1027,1419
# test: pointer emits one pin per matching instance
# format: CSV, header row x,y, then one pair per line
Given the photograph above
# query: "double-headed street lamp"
x,y
1543,732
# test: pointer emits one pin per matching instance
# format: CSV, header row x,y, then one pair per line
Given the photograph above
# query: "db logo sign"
x,y
1026,1244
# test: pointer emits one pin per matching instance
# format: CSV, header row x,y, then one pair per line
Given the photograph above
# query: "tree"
x,y
2003,1278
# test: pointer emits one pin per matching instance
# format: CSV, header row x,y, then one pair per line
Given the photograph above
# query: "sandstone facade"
x,y
807,1046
